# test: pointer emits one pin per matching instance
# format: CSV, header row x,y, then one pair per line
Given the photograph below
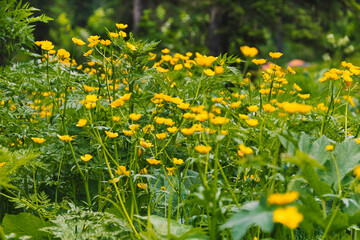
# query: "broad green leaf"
x,y
177,230
24,224
243,220
318,150
347,156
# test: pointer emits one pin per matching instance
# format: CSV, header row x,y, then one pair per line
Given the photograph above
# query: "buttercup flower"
x,y
38,140
86,158
153,161
203,149
275,54
81,123
111,134
282,198
288,216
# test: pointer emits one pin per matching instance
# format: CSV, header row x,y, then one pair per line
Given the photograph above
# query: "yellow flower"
x,y
330,148
296,87
113,34
219,70
282,198
130,46
121,170
142,185
81,123
65,138
171,171
116,118
47,45
291,70
204,60
178,67
269,108
252,122
111,134
259,61
235,104
135,116
88,53
288,216
88,88
187,131
121,26
86,158
253,108
153,161
78,42
38,140
172,129
275,54
122,34
203,149
219,120
357,140
165,51
249,51
357,172
304,96
243,116
245,150
209,72
161,135
143,171
91,98
2,164
178,161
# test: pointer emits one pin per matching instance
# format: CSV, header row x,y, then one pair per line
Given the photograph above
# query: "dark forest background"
x,y
311,30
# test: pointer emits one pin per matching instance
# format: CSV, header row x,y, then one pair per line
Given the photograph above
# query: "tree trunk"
x,y
137,13
217,42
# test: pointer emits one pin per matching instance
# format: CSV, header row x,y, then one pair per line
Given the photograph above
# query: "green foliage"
x,y
16,28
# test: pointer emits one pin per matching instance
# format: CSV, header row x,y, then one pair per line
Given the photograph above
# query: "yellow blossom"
x,y
121,170
135,116
304,96
243,116
259,61
171,171
296,87
38,140
2,164
253,108
153,161
47,45
330,147
142,185
269,108
249,51
282,198
86,158
161,135
116,118
130,46
121,25
219,120
209,72
65,138
245,150
218,70
78,42
111,134
172,129
178,161
275,54
252,122
81,123
291,70
203,149
288,216
91,98
357,172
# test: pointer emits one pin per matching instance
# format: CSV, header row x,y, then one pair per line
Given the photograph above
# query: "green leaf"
x,y
347,155
318,150
243,220
24,224
307,166
177,230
